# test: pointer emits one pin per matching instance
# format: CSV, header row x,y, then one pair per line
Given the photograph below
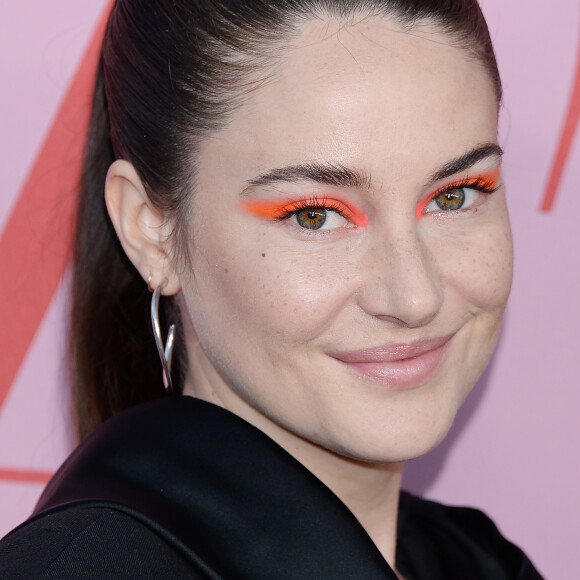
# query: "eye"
x,y
318,218
312,213
460,195
452,200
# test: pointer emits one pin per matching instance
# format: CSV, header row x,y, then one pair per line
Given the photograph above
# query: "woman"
x,y
314,187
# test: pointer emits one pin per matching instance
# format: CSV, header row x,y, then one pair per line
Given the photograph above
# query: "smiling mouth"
x,y
398,367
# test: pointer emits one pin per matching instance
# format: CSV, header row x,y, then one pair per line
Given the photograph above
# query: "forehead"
x,y
367,94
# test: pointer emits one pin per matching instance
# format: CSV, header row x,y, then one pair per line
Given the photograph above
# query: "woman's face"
x,y
350,250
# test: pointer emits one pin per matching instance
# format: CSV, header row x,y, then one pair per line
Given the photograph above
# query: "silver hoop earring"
x,y
165,353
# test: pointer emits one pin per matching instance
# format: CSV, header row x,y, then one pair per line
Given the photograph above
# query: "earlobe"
x,y
140,226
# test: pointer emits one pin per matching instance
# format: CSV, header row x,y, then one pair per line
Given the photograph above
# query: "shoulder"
x,y
93,543
466,542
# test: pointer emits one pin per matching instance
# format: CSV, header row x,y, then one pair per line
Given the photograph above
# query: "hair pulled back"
x,y
170,73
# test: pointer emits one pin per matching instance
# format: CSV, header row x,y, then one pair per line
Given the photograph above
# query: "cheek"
x,y
477,264
261,291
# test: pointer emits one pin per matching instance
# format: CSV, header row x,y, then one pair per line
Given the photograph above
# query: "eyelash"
x,y
273,211
295,207
484,184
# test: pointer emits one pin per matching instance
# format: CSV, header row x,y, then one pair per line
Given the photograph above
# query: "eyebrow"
x,y
329,174
341,176
466,161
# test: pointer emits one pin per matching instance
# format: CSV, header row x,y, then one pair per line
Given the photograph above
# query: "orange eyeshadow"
x,y
274,210
485,182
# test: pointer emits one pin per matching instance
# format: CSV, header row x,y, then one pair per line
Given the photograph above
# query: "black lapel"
x,y
226,491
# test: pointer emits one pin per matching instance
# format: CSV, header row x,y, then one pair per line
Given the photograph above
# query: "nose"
x,y
401,282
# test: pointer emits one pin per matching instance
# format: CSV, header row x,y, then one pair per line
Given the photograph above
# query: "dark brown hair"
x,y
169,74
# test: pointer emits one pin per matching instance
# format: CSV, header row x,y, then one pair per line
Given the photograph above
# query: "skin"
x,y
266,302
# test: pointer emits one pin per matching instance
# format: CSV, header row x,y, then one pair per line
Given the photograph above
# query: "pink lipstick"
x,y
398,367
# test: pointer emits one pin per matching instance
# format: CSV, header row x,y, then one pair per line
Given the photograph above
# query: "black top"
x,y
180,488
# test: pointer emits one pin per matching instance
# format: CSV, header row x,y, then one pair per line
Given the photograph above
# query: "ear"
x,y
141,228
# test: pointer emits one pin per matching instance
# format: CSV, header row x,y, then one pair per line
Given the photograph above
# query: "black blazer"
x,y
180,488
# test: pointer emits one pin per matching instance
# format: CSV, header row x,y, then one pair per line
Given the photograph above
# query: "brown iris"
x,y
312,218
451,199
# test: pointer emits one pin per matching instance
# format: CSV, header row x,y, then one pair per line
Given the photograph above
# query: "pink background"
x,y
513,449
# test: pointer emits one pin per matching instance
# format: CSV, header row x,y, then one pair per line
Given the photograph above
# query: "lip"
x,y
398,367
